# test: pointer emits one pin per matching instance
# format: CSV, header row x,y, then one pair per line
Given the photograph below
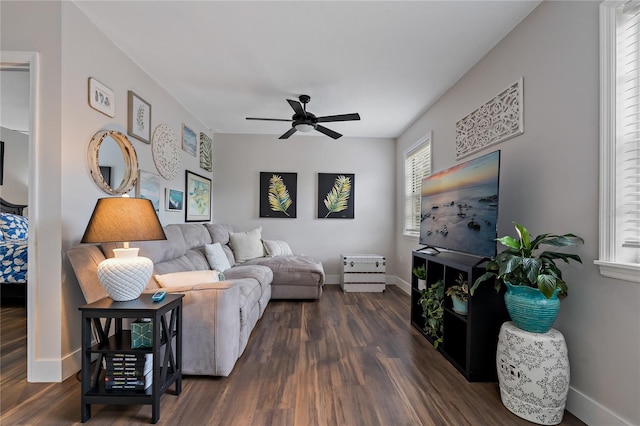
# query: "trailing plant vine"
x,y
432,302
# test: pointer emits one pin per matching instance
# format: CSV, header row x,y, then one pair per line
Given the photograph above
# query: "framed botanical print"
x,y
278,193
336,195
198,202
139,118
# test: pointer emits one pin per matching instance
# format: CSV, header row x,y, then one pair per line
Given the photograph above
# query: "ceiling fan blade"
x,y
270,119
340,117
328,132
289,133
297,107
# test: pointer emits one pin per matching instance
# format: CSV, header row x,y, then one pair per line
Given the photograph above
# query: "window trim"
x,y
427,138
607,198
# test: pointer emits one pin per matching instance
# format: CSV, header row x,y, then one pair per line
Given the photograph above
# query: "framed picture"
x,y
173,200
101,98
189,141
206,154
139,119
198,203
336,195
278,193
148,187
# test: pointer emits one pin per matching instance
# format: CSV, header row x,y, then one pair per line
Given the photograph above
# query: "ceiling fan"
x,y
304,121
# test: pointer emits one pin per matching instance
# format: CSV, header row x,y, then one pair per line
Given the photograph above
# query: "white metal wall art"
x,y
497,120
166,151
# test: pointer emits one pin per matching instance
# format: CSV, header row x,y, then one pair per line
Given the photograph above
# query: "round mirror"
x,y
113,162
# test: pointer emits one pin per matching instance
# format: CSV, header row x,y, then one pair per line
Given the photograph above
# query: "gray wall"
x,y
239,159
549,183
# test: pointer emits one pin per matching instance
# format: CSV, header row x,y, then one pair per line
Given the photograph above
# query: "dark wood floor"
x,y
348,359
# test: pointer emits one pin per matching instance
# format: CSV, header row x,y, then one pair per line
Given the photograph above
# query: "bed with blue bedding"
x,y
14,238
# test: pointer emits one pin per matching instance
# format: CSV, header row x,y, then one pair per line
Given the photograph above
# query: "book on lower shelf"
x,y
128,371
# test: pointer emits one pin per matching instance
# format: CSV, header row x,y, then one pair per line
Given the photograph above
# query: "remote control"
x,y
158,295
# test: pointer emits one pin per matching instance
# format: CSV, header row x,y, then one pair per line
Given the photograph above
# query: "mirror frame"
x,y
130,162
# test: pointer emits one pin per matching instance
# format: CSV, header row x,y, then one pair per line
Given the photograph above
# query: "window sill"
x,y
621,271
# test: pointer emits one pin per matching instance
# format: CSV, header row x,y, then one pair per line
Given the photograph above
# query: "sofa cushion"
x,y
277,248
158,251
247,245
220,234
260,273
216,257
180,279
195,235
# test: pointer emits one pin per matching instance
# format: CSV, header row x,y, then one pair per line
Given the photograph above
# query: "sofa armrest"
x,y
210,327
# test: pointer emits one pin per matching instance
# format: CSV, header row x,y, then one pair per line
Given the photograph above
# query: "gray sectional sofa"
x,y
218,317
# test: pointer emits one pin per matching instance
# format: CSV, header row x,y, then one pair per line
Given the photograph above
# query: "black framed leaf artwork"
x,y
336,196
278,193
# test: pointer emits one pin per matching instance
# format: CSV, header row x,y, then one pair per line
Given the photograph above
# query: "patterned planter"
x,y
533,373
529,309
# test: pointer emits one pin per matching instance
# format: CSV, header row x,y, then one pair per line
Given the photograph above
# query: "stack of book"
x,y
128,371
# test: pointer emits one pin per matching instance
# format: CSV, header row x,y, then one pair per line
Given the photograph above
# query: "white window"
x,y
620,140
417,165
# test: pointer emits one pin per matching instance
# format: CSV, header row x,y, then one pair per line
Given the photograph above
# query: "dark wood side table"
x,y
167,363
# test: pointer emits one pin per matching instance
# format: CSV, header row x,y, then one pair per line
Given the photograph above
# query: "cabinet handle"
x,y
352,263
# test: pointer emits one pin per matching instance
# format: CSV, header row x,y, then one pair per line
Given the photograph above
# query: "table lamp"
x,y
124,219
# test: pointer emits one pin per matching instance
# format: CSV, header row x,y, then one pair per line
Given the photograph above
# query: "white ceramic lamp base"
x,y
124,278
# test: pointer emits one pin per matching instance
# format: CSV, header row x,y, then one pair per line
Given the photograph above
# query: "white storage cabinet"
x,y
363,272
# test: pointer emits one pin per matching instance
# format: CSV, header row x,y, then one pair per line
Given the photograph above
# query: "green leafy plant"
x,y
279,199
521,264
337,199
420,272
431,301
460,290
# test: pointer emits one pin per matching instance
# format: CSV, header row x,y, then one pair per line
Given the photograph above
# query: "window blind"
x,y
628,117
417,165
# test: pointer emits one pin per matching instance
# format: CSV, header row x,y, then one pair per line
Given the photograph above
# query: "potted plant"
x,y
532,278
459,294
421,273
433,310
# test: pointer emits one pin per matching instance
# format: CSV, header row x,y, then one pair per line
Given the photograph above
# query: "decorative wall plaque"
x,y
166,151
497,120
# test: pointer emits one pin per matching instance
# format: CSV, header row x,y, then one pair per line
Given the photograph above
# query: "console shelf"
x,y
469,341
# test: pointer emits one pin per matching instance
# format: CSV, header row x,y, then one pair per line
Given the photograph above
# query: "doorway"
x,y
19,85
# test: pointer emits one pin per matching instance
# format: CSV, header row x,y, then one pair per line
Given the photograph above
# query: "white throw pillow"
x,y
179,279
277,248
247,245
216,257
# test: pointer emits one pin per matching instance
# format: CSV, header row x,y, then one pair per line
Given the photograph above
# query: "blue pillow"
x,y
14,227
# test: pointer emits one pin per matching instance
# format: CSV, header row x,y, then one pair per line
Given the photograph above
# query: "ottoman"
x,y
533,373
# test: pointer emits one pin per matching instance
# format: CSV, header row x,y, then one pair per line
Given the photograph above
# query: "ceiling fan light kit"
x,y
303,121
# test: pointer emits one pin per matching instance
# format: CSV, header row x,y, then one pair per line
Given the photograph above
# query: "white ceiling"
x,y
387,60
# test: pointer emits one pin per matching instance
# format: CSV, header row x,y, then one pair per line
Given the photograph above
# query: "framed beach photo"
x,y
173,200
101,98
198,198
139,118
189,140
148,187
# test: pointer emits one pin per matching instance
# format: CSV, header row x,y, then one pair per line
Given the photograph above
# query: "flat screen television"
x,y
459,207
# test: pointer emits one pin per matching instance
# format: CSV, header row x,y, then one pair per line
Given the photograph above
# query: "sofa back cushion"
x,y
195,235
158,251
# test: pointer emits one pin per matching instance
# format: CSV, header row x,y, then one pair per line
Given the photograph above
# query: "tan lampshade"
x,y
120,219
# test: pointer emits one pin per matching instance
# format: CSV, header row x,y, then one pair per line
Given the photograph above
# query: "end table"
x,y
167,364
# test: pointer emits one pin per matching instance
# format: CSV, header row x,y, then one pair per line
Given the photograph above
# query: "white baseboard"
x,y
71,364
44,371
590,411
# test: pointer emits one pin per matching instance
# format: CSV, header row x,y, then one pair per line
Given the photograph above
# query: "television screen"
x,y
459,207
